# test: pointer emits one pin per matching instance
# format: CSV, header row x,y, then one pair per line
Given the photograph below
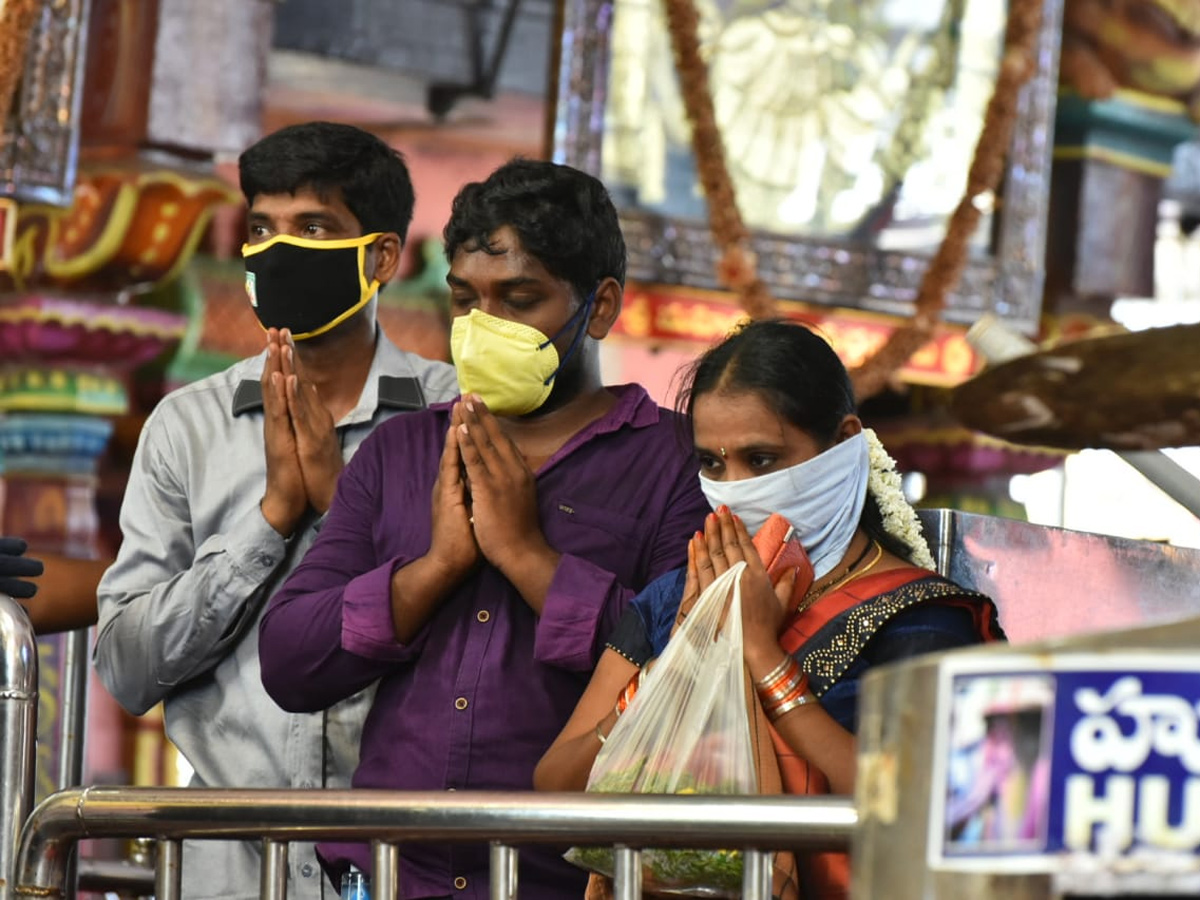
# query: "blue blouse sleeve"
x,y
926,628
643,631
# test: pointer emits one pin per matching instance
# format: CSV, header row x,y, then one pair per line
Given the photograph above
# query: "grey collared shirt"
x,y
179,609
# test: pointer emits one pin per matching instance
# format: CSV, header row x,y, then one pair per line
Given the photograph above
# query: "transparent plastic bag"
x,y
686,731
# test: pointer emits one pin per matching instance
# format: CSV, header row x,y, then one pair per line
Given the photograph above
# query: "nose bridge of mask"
x,y
362,242
517,332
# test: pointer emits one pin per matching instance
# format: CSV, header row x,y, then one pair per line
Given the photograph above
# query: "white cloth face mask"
x,y
821,497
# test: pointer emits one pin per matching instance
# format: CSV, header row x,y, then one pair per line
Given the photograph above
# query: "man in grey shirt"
x,y
232,474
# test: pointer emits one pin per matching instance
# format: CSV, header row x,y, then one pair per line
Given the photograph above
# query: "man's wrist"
x,y
283,521
516,559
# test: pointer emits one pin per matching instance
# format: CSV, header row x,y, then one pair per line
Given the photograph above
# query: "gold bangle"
x,y
804,699
601,735
790,681
774,673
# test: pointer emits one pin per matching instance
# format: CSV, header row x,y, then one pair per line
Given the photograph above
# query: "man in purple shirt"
x,y
555,499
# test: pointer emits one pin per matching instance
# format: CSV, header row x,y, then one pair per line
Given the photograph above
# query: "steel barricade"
x,y
388,818
18,729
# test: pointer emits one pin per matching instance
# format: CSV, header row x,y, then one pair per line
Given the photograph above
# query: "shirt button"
x,y
460,883
306,870
483,615
460,703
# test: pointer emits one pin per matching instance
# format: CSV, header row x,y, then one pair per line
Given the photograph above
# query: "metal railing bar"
x,y
704,822
694,821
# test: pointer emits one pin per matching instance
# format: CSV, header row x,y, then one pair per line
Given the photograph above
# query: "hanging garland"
x,y
1017,65
738,264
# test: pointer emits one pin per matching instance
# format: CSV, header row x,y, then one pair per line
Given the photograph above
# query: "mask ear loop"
x,y
582,311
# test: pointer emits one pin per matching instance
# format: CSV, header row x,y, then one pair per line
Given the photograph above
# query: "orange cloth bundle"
x,y
780,551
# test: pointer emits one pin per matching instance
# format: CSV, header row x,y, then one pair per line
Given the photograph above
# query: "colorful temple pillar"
x,y
70,341
100,208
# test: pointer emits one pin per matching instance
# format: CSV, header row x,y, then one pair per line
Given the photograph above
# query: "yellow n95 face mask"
x,y
511,366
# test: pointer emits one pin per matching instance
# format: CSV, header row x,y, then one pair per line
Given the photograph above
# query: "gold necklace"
x,y
816,593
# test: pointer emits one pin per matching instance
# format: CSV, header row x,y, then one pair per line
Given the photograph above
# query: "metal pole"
x,y
627,873
18,730
72,729
504,872
168,874
274,872
386,880
756,875
72,725
1167,475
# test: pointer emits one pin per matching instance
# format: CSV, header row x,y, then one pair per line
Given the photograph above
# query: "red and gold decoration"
x,y
659,314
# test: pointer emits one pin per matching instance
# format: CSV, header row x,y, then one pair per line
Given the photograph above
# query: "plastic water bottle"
x,y
355,885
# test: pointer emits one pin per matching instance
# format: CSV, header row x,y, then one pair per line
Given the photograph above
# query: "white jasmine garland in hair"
x,y
899,518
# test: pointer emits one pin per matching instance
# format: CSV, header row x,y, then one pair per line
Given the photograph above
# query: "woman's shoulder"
x,y
907,585
897,614
928,612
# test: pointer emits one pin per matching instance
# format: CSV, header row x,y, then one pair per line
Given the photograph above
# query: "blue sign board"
x,y
1082,762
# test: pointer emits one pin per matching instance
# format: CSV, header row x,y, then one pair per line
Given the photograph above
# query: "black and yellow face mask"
x,y
308,286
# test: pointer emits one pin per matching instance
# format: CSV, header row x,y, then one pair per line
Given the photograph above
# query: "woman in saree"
x,y
775,430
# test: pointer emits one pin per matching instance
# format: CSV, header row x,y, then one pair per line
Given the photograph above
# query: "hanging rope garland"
x,y
1017,66
738,265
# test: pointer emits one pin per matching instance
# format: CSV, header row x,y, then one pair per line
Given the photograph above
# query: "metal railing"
x,y
18,728
387,818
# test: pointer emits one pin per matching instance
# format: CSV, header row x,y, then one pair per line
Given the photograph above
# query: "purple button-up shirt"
x,y
477,696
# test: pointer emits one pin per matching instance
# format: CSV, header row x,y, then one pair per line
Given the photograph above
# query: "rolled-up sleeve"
x,y
368,628
585,602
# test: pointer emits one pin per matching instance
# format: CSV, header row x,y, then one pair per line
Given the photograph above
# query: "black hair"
x,y
799,376
562,216
327,157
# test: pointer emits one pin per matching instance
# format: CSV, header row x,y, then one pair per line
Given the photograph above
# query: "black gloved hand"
x,y
14,567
